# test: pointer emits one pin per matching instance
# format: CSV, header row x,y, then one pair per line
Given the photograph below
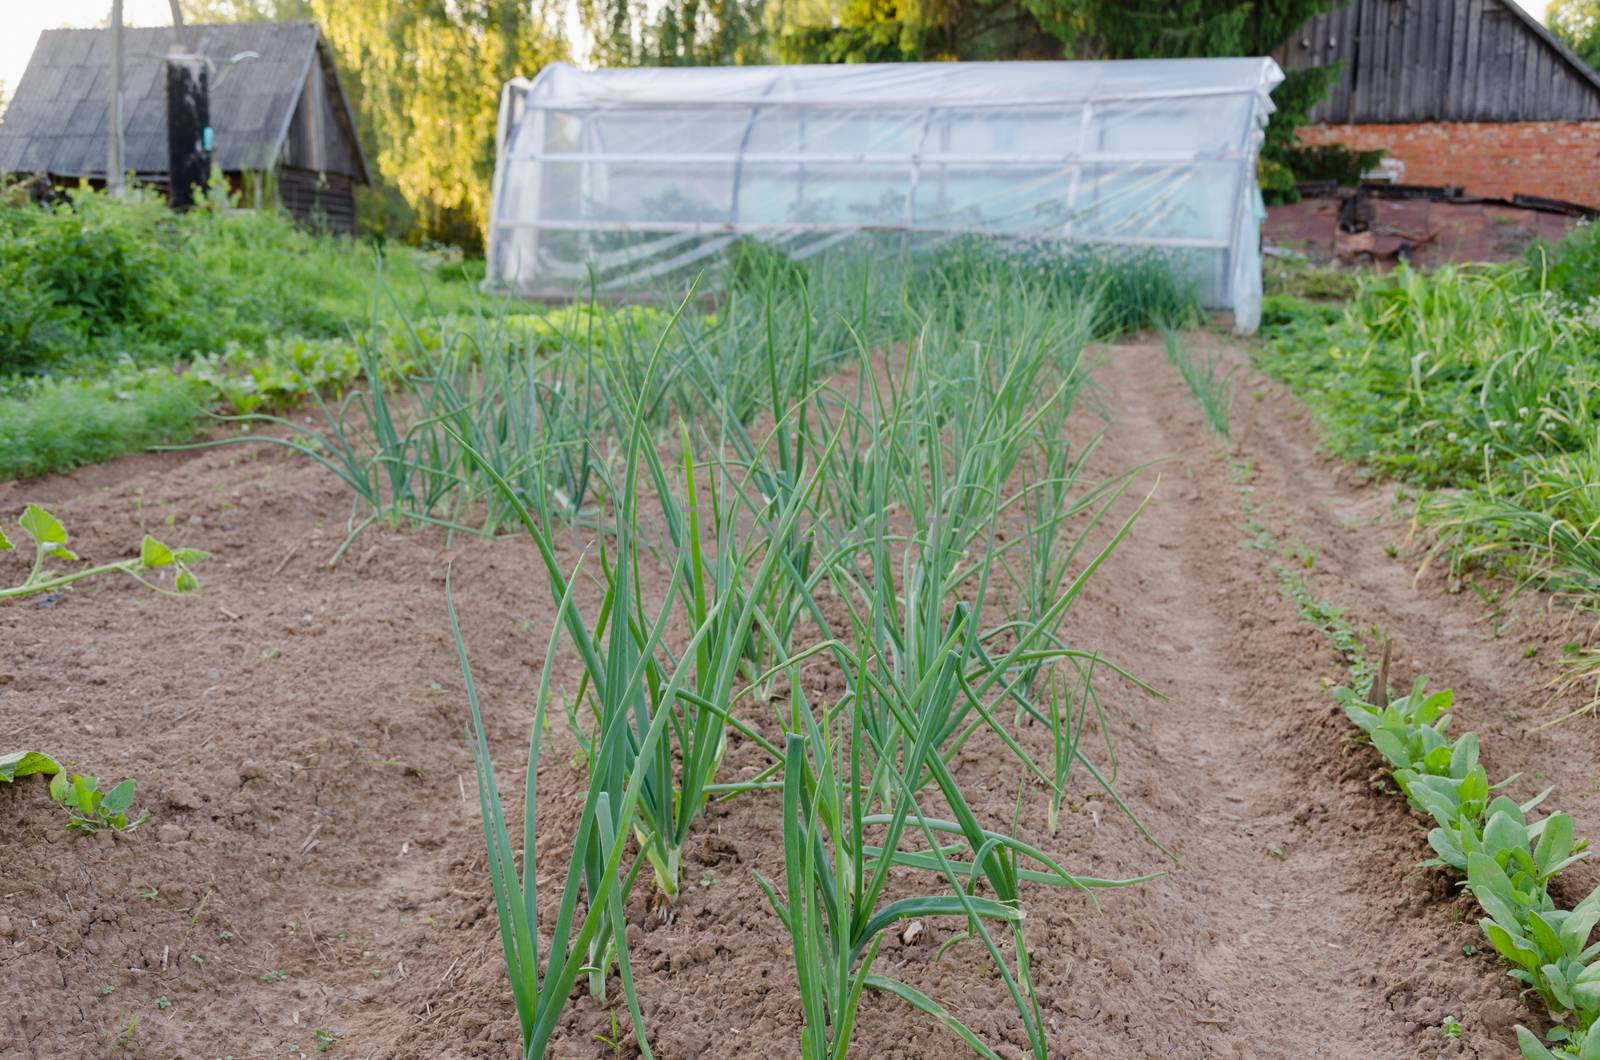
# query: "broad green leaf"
x,y
1464,755
190,555
119,798
60,787
1532,1047
5,542
1438,761
1392,747
1475,786
1502,835
1448,847
186,581
1575,930
1556,984
25,764
45,528
86,793
1545,936
1505,804
153,553
1555,841
1511,947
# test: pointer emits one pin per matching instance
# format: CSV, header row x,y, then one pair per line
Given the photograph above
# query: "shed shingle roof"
x,y
57,117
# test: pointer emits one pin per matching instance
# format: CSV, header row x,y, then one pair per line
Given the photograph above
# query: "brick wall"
x,y
1559,160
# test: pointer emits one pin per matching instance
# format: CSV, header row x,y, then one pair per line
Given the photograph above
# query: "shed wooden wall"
x,y
1439,60
319,138
319,201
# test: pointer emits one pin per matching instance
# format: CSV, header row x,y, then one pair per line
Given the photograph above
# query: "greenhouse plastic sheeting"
x,y
638,176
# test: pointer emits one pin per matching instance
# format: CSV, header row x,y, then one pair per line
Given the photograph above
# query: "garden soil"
x,y
312,876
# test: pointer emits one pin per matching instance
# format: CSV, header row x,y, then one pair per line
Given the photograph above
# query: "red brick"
x,y
1559,160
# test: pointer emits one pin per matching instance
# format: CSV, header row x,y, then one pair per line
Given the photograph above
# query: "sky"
x,y
21,22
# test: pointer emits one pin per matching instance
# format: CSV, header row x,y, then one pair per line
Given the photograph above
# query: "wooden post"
x,y
114,153
188,126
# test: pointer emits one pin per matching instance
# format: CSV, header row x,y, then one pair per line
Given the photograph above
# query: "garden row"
x,y
814,502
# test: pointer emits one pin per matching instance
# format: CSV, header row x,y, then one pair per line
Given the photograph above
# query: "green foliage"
x,y
1288,280
56,425
259,309
1577,23
427,79
1427,377
1572,267
107,277
50,542
26,764
1334,162
89,809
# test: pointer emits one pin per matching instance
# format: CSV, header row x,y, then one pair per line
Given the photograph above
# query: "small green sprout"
x,y
325,1039
1451,1028
274,976
89,809
163,1002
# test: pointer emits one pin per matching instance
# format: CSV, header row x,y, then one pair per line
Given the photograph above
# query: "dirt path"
x,y
1279,937
298,733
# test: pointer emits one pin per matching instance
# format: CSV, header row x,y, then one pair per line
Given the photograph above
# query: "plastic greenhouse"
x,y
639,175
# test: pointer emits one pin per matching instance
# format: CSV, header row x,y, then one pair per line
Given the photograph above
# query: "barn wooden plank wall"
x,y
1441,60
320,137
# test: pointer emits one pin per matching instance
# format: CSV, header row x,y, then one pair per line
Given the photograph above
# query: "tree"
x,y
679,33
430,76
1577,23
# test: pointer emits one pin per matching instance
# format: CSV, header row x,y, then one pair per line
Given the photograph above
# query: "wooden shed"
x,y
283,129
1473,93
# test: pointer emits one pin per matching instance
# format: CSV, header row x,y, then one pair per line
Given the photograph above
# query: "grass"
x,y
67,423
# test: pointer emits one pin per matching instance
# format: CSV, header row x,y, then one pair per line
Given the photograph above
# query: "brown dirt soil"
x,y
297,732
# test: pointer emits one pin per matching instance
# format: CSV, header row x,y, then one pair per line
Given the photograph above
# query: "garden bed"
x,y
313,874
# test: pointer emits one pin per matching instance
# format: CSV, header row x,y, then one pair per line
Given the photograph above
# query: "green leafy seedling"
x,y
89,809
50,542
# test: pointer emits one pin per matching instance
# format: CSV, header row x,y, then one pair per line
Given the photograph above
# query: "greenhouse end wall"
x,y
631,179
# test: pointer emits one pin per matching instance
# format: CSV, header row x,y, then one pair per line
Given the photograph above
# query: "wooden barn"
x,y
283,130
1469,93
